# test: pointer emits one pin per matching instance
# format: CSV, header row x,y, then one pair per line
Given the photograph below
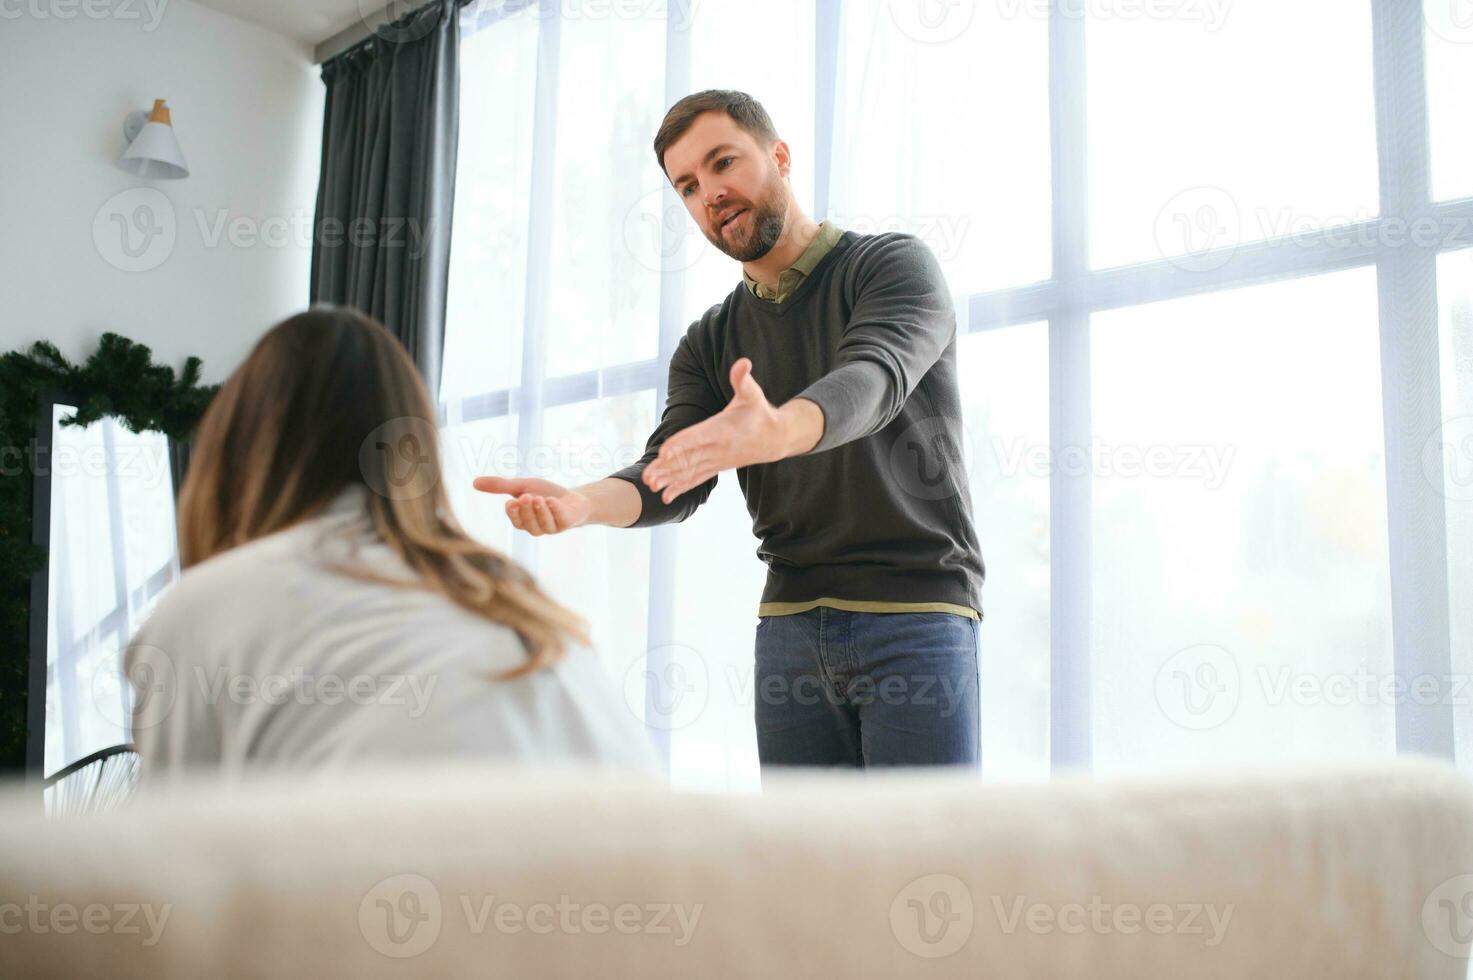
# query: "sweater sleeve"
x,y
690,399
901,322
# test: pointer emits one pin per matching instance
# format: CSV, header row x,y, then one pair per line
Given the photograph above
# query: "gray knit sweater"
x,y
879,509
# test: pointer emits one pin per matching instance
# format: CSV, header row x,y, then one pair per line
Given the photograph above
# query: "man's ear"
x,y
783,157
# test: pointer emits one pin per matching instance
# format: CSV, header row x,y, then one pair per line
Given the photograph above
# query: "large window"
x,y
1240,526
1198,252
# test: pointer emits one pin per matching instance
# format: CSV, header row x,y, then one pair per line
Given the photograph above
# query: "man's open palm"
x,y
745,432
539,506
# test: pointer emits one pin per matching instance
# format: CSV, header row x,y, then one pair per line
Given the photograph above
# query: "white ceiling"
x,y
309,21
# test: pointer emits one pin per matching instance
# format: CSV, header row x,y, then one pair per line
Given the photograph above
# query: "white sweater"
x,y
263,657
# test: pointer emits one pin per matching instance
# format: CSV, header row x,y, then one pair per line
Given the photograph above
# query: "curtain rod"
x,y
360,33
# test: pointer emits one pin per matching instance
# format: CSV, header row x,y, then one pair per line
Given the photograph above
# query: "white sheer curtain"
x,y
1454,442
1223,519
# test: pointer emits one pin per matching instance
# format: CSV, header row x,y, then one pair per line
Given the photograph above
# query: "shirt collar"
x,y
828,234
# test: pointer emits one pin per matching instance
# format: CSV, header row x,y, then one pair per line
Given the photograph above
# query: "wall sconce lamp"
x,y
153,150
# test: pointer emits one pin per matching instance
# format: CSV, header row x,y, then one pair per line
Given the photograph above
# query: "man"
x,y
847,452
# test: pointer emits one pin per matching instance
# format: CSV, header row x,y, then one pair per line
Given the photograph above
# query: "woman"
x,y
332,609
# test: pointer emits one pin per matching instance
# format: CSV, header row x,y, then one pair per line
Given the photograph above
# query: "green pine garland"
x,y
119,380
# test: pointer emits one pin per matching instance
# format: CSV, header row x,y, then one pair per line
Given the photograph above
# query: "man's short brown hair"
x,y
741,107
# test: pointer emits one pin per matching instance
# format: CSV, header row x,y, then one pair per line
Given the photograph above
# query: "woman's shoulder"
x,y
262,582
280,585
268,566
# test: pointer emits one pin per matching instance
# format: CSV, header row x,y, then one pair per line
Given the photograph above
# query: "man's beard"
x,y
763,226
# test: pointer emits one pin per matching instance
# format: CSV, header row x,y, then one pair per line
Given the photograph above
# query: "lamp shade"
x,y
154,152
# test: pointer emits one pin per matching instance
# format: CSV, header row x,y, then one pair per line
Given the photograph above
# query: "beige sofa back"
x,y
494,872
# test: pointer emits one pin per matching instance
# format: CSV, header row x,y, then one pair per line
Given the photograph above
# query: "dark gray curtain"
x,y
389,133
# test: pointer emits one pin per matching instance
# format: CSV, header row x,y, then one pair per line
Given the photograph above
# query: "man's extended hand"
x,y
539,506
749,430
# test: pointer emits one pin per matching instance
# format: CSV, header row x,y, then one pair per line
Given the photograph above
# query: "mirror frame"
x,y
40,612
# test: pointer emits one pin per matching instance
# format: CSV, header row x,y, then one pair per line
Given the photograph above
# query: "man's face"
x,y
731,185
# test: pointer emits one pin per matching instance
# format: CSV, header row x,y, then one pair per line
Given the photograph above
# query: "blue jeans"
x,y
853,689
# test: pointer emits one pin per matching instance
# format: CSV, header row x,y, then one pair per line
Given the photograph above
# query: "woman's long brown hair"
x,y
327,399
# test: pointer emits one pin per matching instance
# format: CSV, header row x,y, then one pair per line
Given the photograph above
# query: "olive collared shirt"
x,y
788,280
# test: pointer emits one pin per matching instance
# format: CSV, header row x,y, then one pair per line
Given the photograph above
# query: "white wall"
x,y
247,107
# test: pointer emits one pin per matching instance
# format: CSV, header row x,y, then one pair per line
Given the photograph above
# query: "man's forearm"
x,y
802,426
615,502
